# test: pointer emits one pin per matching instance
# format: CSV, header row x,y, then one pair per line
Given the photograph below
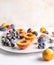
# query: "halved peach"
x,y
29,36
53,34
22,35
22,44
20,30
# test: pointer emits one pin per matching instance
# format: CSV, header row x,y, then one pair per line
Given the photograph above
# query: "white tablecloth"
x,y
7,58
27,13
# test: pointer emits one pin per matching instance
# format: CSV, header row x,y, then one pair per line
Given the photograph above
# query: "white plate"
x,y
17,50
32,48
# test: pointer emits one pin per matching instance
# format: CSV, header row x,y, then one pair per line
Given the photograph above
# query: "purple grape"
x,y
41,45
35,33
41,39
46,32
3,29
12,26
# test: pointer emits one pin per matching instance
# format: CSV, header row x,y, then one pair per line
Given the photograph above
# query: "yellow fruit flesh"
x,y
23,42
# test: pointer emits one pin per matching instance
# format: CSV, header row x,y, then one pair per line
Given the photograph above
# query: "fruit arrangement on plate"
x,y
23,39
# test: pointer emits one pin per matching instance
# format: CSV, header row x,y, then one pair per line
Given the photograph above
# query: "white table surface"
x,y
7,58
27,13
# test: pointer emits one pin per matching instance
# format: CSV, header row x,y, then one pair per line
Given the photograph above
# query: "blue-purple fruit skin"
x,y
41,39
12,45
46,32
35,33
41,46
12,26
2,28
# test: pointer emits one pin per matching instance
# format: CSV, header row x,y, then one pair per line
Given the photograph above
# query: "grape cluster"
x,y
41,42
11,35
